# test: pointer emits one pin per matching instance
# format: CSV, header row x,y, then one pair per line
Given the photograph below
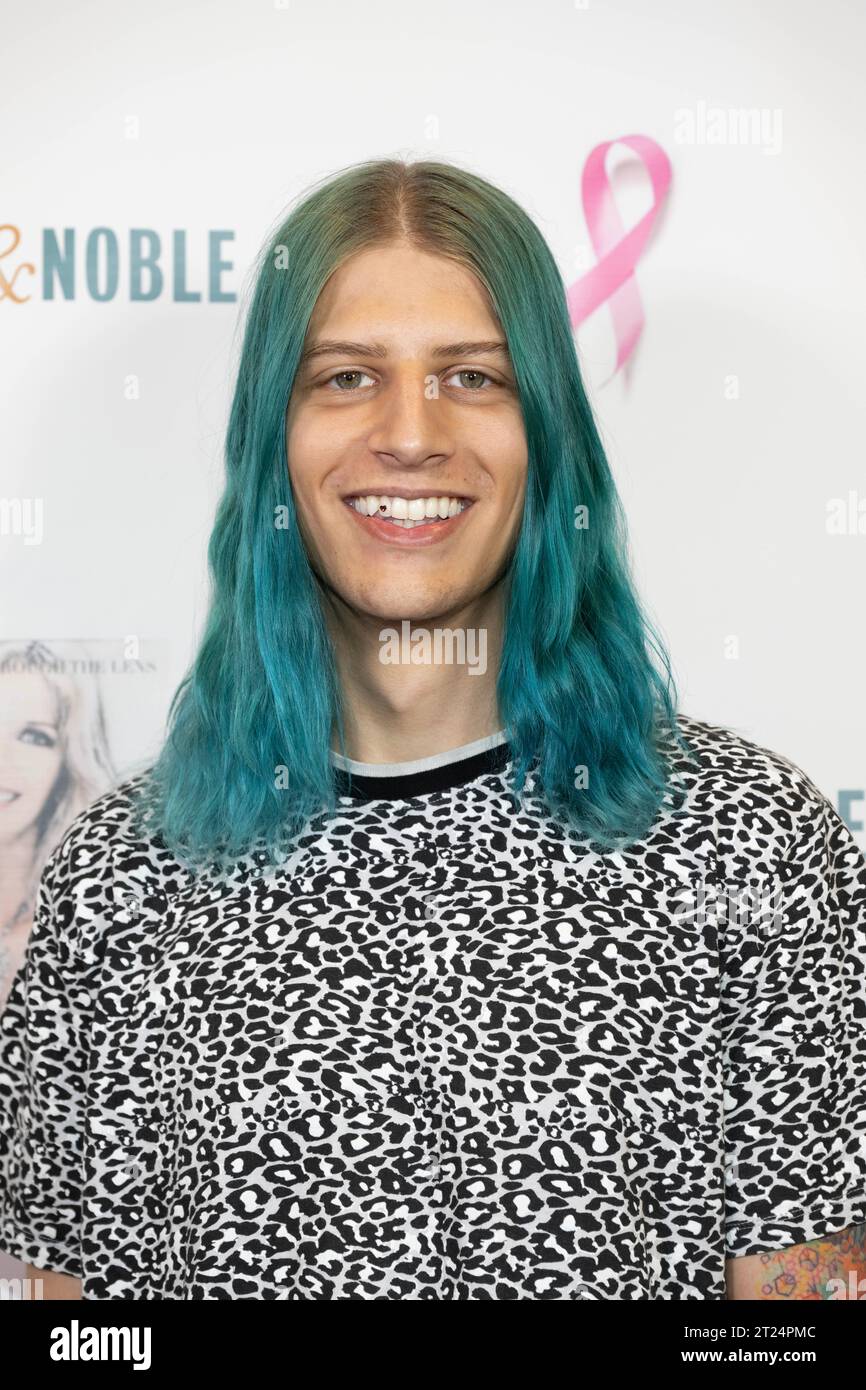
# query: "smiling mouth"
x,y
7,796
408,512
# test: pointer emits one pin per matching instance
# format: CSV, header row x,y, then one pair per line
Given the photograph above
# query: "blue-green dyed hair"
x,y
584,679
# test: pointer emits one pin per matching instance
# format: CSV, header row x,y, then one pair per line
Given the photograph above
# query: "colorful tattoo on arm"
x,y
828,1269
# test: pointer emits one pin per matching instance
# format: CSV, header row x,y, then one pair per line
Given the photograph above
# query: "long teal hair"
x,y
585,687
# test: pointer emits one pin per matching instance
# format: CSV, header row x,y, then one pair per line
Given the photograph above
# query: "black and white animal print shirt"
x,y
444,1052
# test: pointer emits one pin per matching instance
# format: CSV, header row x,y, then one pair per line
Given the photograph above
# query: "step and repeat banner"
x,y
696,171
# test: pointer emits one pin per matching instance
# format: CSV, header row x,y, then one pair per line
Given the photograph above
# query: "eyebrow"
x,y
331,347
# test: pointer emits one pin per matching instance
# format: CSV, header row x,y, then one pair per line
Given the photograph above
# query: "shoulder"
x,y
102,852
764,807
731,759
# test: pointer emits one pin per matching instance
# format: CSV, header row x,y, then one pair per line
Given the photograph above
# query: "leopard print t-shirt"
x,y
445,1051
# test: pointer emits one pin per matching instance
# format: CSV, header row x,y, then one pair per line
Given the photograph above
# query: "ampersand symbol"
x,y
7,287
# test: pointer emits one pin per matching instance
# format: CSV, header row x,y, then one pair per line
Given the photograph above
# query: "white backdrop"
x,y
733,427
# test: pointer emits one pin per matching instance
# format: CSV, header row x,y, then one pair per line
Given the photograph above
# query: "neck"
x,y
412,689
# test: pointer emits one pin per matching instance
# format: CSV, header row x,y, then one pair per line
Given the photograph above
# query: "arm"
x,y
43,1077
55,1285
794,977
833,1268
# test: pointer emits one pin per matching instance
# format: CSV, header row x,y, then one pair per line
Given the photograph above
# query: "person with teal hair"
x,y
438,955
539,560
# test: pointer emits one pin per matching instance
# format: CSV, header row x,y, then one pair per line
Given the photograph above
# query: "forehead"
x,y
26,692
399,286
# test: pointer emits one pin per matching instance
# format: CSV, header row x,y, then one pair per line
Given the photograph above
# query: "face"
x,y
30,751
406,447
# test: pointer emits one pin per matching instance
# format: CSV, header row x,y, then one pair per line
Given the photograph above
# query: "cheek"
x,y
314,450
501,443
40,767
515,456
310,451
299,451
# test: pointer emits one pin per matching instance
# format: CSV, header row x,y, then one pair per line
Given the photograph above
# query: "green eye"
x,y
477,374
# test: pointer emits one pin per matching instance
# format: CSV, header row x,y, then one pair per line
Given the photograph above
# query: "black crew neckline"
x,y
365,787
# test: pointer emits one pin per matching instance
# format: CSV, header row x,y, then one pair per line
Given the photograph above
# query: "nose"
x,y
409,425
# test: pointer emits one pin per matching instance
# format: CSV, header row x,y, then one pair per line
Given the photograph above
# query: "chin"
x,y
391,607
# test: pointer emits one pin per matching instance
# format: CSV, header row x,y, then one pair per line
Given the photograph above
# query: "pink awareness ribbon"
x,y
618,251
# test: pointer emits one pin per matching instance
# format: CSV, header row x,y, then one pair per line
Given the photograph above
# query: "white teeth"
x,y
405,512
